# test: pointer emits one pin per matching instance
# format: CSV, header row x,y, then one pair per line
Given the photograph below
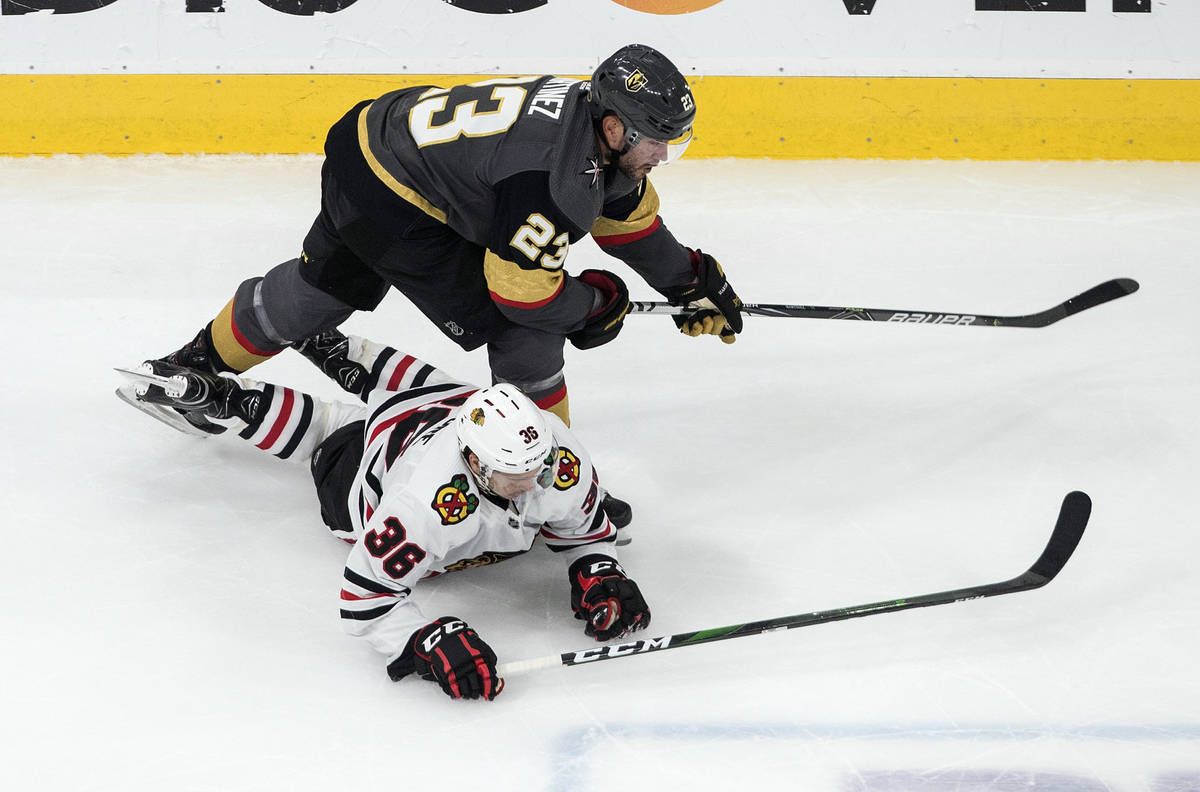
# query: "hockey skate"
x,y
196,355
329,350
174,394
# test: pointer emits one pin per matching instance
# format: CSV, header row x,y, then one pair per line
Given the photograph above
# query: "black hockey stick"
x,y
1072,519
1097,295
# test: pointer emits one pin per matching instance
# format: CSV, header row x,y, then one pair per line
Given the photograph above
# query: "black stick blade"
x,y
1098,295
1072,519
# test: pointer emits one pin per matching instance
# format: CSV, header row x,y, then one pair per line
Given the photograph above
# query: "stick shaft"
x,y
1068,530
1097,295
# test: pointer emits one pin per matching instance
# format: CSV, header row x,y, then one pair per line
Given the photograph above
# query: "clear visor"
x,y
544,473
652,151
545,476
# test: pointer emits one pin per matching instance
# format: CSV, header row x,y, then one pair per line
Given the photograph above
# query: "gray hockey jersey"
x,y
514,166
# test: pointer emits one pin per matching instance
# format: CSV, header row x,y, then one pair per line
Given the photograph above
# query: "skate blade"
x,y
170,417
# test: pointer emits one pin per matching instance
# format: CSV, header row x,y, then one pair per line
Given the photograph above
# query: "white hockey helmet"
x,y
508,433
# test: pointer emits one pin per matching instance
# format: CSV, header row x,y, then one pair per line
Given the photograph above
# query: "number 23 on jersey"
x,y
478,109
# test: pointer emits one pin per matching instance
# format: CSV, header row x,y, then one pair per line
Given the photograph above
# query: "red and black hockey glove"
x,y
602,324
450,653
601,595
718,308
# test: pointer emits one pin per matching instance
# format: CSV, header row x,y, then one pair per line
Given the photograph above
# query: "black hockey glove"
x,y
718,308
450,653
605,322
609,602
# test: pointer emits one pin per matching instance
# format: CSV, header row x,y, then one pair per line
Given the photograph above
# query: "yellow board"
x,y
776,117
952,118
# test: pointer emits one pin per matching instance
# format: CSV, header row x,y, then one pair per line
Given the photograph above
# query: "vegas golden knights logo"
x,y
635,82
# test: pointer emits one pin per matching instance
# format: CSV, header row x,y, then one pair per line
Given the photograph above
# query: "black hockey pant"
x,y
348,264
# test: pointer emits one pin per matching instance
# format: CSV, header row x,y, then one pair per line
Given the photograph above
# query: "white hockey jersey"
x,y
414,505
418,512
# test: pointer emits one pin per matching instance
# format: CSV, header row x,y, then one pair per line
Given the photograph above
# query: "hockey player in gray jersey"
x,y
428,475
468,199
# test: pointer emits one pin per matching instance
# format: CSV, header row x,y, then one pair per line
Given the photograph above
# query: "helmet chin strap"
x,y
629,137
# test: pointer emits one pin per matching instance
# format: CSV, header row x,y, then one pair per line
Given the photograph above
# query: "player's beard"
x,y
635,172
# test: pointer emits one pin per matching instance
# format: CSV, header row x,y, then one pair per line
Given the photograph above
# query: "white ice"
x,y
171,604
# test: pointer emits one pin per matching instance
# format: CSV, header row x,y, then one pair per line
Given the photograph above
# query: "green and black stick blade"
x,y
1072,519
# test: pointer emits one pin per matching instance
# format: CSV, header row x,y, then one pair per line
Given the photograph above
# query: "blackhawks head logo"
x,y
566,469
453,503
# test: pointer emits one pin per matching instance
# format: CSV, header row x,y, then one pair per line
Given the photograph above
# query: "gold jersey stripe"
x,y
227,344
639,220
520,288
404,191
561,408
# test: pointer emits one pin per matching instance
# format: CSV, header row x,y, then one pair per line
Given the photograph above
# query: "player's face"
x,y
642,158
513,485
647,153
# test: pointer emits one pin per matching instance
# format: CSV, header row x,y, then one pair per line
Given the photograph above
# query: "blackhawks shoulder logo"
x,y
453,503
566,469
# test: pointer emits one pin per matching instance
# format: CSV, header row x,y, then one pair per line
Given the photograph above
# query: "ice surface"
x,y
171,603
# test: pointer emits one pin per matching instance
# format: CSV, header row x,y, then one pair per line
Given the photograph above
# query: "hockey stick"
x,y
1097,295
1072,519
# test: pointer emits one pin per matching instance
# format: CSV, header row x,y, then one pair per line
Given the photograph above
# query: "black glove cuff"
x,y
406,663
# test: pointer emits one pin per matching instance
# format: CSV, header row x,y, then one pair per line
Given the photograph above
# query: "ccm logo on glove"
x,y
450,653
448,628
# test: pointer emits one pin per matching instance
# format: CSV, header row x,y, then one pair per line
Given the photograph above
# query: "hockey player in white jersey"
x,y
427,476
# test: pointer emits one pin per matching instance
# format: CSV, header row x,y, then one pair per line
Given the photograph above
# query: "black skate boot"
x,y
329,350
197,355
191,392
621,515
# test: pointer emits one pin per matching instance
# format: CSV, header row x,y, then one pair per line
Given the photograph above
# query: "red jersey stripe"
x,y
285,412
546,402
527,305
397,375
346,595
624,239
245,342
383,426
608,528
